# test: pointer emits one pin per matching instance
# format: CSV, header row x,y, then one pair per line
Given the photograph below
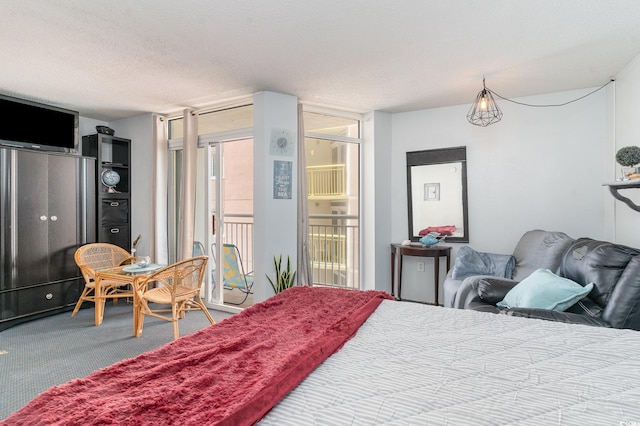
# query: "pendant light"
x,y
484,111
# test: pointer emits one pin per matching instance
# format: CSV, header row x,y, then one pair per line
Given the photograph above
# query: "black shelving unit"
x,y
113,202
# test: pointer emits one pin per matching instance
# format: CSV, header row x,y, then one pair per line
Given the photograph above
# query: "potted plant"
x,y
629,156
284,278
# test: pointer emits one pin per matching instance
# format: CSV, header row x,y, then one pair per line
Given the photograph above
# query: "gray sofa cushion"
x,y
470,262
623,309
539,249
599,262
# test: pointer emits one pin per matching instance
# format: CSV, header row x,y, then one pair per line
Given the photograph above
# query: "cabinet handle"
x,y
115,230
115,204
54,218
49,296
43,218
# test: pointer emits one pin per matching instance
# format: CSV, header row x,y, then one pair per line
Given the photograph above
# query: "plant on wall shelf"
x,y
284,278
628,156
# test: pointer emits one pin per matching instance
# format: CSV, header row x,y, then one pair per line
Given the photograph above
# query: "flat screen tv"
x,y
27,124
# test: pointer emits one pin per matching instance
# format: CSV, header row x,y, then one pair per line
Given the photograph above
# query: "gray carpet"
x,y
50,351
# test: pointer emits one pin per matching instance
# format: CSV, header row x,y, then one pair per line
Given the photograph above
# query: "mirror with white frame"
x,y
437,193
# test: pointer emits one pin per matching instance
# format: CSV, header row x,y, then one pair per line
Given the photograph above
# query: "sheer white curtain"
x,y
158,241
304,263
187,206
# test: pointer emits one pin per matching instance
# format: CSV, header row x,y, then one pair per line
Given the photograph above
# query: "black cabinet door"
x,y
46,218
32,219
63,216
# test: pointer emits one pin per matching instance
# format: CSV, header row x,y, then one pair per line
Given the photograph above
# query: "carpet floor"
x,y
50,351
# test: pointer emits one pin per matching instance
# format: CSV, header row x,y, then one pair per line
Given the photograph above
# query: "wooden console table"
x,y
435,252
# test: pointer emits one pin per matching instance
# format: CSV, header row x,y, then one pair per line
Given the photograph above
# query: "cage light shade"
x,y
484,111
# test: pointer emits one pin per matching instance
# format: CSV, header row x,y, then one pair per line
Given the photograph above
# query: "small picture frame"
x,y
282,180
431,192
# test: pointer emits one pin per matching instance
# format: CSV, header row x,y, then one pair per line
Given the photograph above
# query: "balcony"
x,y
326,182
333,241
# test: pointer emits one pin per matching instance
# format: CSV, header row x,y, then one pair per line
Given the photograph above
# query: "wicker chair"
x,y
95,256
177,285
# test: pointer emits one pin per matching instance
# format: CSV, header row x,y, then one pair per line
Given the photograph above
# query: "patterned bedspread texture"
x,y
230,373
413,364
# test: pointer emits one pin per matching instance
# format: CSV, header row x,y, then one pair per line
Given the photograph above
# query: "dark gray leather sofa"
x,y
613,268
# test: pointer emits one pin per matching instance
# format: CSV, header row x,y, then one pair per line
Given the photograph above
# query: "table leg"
x,y
393,271
436,271
400,276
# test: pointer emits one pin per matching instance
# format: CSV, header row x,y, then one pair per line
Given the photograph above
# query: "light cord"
x,y
550,105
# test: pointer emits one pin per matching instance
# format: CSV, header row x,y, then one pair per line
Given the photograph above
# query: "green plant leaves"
x,y
284,278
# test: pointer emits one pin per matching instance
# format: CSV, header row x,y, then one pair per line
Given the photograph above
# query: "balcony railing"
x,y
238,229
333,249
326,181
333,246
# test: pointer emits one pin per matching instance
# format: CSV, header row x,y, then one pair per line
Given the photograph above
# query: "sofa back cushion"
x,y
599,262
623,309
539,249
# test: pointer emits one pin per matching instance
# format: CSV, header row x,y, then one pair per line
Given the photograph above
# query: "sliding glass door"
x,y
224,197
229,201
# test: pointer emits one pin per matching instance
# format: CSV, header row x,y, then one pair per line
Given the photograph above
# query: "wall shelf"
x,y
614,188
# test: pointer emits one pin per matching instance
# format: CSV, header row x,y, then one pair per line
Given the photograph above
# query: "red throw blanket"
x,y
230,373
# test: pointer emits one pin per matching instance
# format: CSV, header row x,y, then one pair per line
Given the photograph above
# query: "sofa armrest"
x,y
492,290
469,295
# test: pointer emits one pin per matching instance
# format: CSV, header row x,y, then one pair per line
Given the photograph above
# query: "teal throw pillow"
x,y
545,290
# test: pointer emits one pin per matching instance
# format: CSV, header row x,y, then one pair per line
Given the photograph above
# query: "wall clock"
x,y
281,142
110,178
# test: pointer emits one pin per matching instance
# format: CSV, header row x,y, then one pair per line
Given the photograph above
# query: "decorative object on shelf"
x,y
285,278
484,110
110,178
629,156
105,130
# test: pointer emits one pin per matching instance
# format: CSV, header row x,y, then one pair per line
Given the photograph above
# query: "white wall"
x,y
539,168
275,220
376,210
627,132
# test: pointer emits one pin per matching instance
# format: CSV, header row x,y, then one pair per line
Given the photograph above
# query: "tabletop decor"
x,y
629,156
430,239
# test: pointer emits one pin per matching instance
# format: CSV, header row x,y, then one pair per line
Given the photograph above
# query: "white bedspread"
x,y
413,364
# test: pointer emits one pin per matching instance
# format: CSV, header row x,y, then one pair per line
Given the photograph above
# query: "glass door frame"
x,y
214,297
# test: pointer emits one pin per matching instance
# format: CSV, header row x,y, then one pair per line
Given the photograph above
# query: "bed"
x,y
361,358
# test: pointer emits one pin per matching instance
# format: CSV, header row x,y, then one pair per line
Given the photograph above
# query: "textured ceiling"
x,y
111,59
